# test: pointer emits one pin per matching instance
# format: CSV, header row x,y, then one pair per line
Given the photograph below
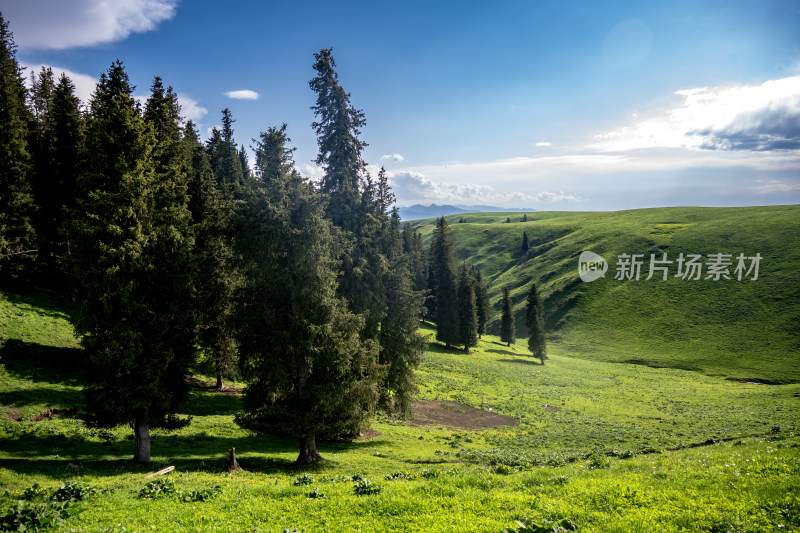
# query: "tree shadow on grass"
x,y
206,403
526,361
49,303
52,455
37,362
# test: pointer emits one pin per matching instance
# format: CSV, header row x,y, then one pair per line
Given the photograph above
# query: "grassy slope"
x,y
485,479
744,330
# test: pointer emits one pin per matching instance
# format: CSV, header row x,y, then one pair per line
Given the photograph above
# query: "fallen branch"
x,y
161,472
20,252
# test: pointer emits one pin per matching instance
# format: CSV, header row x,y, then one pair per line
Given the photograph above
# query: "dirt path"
x,y
454,415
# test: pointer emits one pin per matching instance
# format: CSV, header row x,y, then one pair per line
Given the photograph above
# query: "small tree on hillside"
x,y
483,307
467,309
444,283
508,220
534,321
525,217
525,242
507,333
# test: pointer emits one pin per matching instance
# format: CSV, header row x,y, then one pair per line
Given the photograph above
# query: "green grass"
x,y
622,448
743,330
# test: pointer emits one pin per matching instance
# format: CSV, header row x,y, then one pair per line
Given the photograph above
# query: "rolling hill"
x,y
744,329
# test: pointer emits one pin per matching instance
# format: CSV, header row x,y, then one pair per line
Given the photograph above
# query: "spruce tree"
x,y
507,330
354,202
68,157
57,149
401,343
444,283
17,206
216,271
534,321
483,306
224,156
338,126
412,245
311,372
525,217
467,309
525,242
131,271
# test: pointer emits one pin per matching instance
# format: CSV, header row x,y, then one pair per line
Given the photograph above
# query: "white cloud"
x,y
544,144
244,94
393,157
776,186
84,84
311,171
191,109
60,24
415,187
763,117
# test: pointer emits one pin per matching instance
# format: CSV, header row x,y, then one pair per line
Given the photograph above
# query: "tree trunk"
x,y
466,349
308,450
219,376
142,433
231,465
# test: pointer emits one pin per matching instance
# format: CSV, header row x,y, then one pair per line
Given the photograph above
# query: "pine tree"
x,y
401,343
525,217
216,272
69,153
508,220
337,127
525,242
467,309
507,330
482,303
311,371
444,283
225,158
412,245
355,203
17,206
57,149
534,321
131,270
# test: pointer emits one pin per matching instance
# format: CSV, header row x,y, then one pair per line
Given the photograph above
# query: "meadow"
x,y
741,330
599,446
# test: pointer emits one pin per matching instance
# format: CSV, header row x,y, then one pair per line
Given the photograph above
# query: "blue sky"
x,y
579,105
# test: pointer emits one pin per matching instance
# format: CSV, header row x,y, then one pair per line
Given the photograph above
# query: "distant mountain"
x,y
414,212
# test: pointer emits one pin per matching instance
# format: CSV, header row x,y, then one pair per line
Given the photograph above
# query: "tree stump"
x,y
231,465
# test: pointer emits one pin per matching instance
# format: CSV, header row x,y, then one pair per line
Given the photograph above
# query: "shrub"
x,y
315,493
73,491
156,489
366,487
199,495
400,475
545,527
305,479
431,473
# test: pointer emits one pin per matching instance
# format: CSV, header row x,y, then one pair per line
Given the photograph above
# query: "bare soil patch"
x,y
455,415
212,386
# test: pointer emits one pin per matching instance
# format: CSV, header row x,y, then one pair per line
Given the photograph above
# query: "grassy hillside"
x,y
608,447
745,330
